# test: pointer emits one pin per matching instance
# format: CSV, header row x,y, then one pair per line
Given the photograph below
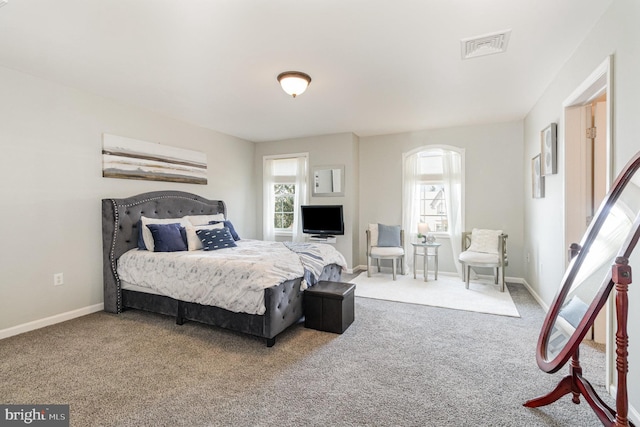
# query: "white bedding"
x,y
233,278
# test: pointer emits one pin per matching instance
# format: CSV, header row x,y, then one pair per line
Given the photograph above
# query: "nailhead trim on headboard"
x,y
112,256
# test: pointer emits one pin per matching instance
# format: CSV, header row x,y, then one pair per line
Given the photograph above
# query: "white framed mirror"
x,y
328,181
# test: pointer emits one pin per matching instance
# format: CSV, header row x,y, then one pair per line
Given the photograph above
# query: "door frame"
x,y
599,81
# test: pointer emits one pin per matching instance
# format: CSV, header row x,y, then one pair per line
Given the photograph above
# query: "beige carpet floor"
x,y
397,365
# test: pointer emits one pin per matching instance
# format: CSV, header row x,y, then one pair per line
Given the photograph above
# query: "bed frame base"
x,y
251,324
165,305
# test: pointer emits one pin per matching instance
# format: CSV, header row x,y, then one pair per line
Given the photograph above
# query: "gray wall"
x,y
337,149
51,186
493,182
616,33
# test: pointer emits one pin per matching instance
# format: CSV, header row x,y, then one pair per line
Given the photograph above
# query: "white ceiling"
x,y
378,66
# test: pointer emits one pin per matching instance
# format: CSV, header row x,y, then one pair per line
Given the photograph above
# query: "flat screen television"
x,y
322,220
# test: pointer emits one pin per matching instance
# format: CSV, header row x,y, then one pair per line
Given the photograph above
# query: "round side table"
x,y
425,255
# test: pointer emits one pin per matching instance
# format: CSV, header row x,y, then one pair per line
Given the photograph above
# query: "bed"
x,y
282,301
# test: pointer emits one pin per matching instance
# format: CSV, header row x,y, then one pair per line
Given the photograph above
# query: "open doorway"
x,y
588,176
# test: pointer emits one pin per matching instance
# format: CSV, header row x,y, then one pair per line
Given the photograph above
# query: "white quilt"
x,y
232,278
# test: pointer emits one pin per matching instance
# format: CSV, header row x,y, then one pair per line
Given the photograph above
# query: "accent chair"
x,y
385,242
484,248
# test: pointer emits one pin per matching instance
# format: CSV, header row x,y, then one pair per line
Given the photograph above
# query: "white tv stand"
x,y
322,239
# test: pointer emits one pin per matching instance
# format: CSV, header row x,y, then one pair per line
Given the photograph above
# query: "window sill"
x,y
442,236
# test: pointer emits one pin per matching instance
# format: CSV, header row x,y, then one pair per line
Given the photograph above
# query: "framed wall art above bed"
x,y
130,158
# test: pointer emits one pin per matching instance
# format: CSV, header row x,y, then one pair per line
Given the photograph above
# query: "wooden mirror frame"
x,y
620,276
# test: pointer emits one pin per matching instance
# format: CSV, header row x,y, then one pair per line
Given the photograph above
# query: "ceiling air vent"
x,y
485,45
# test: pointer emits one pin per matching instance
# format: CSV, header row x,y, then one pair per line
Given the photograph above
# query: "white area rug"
x,y
483,296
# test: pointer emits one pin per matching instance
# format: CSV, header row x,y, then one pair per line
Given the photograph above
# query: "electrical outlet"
x,y
58,279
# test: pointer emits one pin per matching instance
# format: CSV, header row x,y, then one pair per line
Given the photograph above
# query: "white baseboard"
x,y
634,415
52,320
359,268
535,296
356,269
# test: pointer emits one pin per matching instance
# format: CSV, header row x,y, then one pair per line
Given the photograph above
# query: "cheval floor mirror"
x,y
600,264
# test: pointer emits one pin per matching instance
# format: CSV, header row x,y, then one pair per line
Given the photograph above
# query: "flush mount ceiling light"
x,y
294,82
3,2
485,45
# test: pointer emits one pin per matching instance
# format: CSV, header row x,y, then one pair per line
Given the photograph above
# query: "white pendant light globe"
x,y
294,82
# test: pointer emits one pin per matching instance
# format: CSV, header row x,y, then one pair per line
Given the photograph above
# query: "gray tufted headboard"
x,y
120,228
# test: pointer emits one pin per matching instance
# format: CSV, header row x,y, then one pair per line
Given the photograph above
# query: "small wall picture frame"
x,y
536,178
548,150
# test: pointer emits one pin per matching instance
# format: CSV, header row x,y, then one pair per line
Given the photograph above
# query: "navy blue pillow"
x,y
230,227
218,238
141,245
168,237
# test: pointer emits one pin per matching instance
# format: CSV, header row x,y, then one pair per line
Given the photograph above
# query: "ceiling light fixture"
x,y
294,82
3,2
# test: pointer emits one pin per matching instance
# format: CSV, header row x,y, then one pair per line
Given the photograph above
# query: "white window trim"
x,y
284,180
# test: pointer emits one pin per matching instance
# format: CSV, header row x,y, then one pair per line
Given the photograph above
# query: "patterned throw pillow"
x,y
228,224
193,241
219,238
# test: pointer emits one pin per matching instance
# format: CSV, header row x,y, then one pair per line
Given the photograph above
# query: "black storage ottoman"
x,y
329,306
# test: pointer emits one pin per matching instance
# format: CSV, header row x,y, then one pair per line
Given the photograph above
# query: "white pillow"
x,y
146,233
193,241
485,241
204,219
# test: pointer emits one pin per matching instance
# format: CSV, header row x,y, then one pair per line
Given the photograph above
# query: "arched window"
x,y
433,185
